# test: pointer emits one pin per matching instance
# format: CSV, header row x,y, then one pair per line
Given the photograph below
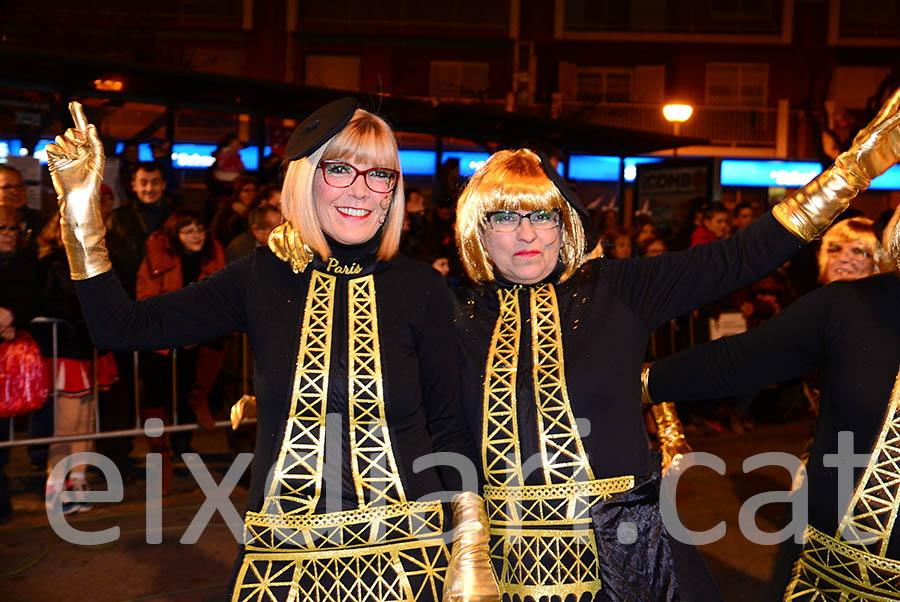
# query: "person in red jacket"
x,y
178,254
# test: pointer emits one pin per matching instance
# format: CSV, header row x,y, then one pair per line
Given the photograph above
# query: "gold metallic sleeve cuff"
x,y
245,407
470,577
645,386
811,209
670,433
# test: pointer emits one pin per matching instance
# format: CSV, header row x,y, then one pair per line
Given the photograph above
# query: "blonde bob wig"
x,y
511,180
367,139
849,230
891,241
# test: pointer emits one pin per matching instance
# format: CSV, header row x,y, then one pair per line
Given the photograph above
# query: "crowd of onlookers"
x,y
158,244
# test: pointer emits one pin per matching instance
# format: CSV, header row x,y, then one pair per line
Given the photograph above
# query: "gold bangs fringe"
x,y
511,181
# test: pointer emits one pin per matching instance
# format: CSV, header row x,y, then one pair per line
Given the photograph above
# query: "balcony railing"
x,y
733,126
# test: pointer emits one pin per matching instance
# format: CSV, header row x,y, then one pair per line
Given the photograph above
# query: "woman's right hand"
x,y
76,162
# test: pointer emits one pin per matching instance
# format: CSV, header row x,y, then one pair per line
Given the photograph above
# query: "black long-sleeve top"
x,y
260,295
851,332
608,309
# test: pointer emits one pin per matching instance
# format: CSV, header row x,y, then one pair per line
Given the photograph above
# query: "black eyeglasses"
x,y
509,221
12,187
341,174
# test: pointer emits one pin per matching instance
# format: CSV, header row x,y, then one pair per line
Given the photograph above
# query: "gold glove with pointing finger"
x,y
875,148
76,162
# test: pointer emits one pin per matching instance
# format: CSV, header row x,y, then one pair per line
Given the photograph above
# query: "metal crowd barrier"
x,y
138,428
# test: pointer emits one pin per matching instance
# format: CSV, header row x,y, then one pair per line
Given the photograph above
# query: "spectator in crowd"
x,y
20,285
228,167
270,195
714,225
178,254
743,216
653,247
133,223
231,218
850,251
12,194
262,219
76,407
643,228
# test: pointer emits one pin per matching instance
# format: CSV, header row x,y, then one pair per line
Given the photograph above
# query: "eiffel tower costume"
x,y
351,357
551,377
851,332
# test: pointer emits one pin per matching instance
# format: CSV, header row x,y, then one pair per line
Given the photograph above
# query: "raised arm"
x,y
193,314
789,345
664,287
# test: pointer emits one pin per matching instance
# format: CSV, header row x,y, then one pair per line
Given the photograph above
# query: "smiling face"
x,y
12,189
351,215
192,237
148,185
526,255
849,260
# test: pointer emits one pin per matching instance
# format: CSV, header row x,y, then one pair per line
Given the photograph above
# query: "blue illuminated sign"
x,y
596,168
889,180
787,174
631,164
468,162
417,162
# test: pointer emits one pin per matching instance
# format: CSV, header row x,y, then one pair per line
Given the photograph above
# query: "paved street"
x,y
38,565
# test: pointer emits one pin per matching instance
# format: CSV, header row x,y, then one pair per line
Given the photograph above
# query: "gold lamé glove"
x,y
811,209
244,408
76,168
470,577
670,434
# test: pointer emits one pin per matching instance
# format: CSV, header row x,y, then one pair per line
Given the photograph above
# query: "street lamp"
x,y
677,114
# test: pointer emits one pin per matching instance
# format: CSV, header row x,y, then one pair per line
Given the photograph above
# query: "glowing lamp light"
x,y
677,113
109,85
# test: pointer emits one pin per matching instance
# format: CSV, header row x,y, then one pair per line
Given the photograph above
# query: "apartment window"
x,y
458,78
604,84
737,84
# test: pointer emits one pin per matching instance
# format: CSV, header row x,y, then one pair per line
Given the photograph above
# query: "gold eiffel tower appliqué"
x,y
372,459
852,566
562,451
542,543
870,518
502,458
297,482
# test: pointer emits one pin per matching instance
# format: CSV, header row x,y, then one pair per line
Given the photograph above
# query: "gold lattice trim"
x,y
872,511
550,505
549,562
297,480
401,572
562,452
372,459
351,528
832,570
502,458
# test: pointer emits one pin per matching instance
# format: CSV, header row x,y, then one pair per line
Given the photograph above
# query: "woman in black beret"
x,y
353,374
552,353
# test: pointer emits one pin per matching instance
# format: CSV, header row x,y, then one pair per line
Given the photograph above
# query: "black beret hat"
x,y
562,185
320,127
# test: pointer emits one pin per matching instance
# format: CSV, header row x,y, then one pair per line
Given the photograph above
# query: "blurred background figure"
x,y
715,224
227,168
76,405
744,214
12,194
180,253
262,220
849,251
230,219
